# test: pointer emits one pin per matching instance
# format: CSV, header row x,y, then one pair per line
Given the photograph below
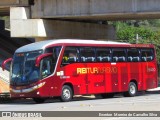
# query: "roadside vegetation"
x,y
139,31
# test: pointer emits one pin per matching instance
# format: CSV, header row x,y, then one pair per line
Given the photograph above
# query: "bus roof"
x,y
43,44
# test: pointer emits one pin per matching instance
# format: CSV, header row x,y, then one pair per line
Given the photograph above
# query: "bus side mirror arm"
x,y
39,58
5,62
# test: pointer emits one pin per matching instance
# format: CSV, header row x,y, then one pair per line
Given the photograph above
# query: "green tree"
x,y
127,32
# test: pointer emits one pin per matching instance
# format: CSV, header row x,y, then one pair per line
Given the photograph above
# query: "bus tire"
x,y
67,93
132,90
39,100
107,95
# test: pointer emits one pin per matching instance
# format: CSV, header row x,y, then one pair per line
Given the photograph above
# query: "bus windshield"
x,y
23,69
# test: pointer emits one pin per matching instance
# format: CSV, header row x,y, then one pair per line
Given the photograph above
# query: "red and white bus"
x,y
64,68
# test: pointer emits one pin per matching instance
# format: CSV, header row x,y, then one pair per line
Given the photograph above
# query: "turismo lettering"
x,y
97,70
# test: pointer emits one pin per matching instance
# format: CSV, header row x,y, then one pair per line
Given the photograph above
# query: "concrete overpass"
x,y
96,9
79,18
45,19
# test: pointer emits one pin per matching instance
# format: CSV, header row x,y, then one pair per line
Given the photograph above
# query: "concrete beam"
x,y
8,3
22,26
19,13
96,9
60,29
27,28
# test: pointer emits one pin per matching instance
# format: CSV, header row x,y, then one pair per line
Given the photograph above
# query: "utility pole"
x,y
137,38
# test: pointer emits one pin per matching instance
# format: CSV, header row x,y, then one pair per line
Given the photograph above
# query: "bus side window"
x,y
87,54
54,50
70,56
133,55
147,55
119,55
103,55
46,67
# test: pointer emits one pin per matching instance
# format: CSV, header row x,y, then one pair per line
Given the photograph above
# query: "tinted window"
x,y
133,55
87,54
147,55
54,50
119,55
70,55
103,55
47,68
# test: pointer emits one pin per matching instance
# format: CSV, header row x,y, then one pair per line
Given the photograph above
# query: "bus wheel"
x,y
107,95
132,90
39,100
67,93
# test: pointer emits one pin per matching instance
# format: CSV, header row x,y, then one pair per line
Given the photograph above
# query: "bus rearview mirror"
x,y
39,58
5,62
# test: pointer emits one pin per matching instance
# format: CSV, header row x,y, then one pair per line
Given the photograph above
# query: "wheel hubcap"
x,y
66,94
132,89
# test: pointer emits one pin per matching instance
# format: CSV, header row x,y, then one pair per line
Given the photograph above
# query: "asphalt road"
x,y
149,101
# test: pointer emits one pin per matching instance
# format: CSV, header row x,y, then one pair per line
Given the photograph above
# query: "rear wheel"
x,y
67,93
132,90
39,100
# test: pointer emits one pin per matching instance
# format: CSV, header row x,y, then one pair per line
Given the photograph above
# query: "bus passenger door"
x,y
46,69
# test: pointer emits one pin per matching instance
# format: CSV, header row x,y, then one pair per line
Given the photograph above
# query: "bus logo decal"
x,y
97,70
61,73
151,69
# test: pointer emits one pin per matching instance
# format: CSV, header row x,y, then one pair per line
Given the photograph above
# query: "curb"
x,y
155,89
